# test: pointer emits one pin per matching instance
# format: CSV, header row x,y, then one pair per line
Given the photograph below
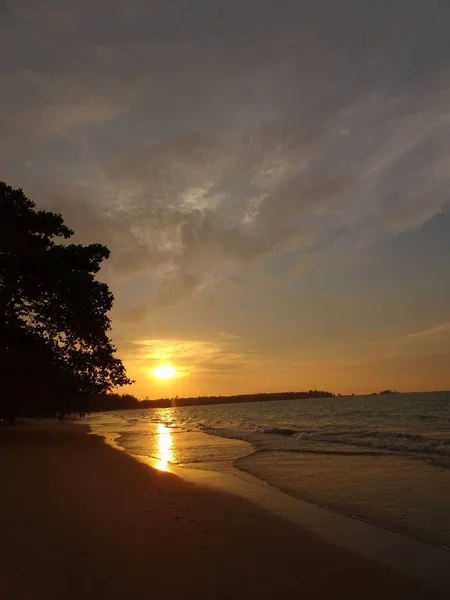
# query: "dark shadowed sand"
x,y
81,520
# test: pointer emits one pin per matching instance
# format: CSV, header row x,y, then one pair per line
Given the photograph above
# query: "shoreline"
x,y
408,555
248,450
80,519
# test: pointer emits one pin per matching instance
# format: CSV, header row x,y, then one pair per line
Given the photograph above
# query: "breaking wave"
x,y
298,440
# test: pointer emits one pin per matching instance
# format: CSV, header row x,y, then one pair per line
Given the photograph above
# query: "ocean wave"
x,y
278,430
340,452
385,440
298,440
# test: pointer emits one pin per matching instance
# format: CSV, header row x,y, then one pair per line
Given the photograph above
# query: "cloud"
x,y
434,341
196,138
220,355
202,203
60,102
444,328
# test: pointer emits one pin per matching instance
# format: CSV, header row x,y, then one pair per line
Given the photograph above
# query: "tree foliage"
x,y
54,320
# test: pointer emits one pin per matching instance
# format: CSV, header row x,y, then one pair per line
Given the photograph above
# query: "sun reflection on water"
x,y
165,452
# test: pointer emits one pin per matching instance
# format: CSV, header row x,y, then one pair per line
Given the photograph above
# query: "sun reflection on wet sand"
x,y
165,452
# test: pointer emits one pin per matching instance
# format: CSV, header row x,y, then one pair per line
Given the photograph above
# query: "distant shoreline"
x,y
235,399
127,401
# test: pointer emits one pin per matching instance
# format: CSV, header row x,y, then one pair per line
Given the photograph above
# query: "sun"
x,y
164,372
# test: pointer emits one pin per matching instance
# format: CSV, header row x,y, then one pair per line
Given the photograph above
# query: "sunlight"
x,y
165,454
164,372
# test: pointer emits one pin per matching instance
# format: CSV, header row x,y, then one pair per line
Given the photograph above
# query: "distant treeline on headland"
x,y
127,401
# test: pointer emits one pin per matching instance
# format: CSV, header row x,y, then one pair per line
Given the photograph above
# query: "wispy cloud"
x,y
219,153
435,340
428,333
60,102
221,355
206,141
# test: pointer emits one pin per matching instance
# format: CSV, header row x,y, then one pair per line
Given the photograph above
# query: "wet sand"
x,y
80,519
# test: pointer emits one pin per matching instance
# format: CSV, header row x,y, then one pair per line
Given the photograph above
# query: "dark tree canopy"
x,y
54,324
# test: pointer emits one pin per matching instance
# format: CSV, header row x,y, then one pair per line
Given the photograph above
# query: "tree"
x,y
53,311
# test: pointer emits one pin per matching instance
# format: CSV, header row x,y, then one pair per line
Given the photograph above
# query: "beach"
x,y
80,519
381,460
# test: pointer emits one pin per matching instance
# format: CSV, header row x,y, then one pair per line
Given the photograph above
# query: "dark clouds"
x,y
196,136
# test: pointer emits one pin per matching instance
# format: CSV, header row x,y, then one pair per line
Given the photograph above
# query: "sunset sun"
x,y
164,372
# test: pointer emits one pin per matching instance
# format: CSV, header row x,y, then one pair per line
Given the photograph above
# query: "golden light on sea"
x,y
165,454
164,372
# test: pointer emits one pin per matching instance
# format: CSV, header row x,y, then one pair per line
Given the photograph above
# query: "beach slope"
x,y
80,519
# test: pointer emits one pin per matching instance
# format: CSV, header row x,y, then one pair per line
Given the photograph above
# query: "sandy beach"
x,y
80,519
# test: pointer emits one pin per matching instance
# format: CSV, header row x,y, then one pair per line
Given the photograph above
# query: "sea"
x,y
381,459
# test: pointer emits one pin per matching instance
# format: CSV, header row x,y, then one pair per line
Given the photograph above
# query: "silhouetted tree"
x,y
53,312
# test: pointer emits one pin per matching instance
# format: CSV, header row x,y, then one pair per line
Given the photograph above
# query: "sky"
x,y
271,176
